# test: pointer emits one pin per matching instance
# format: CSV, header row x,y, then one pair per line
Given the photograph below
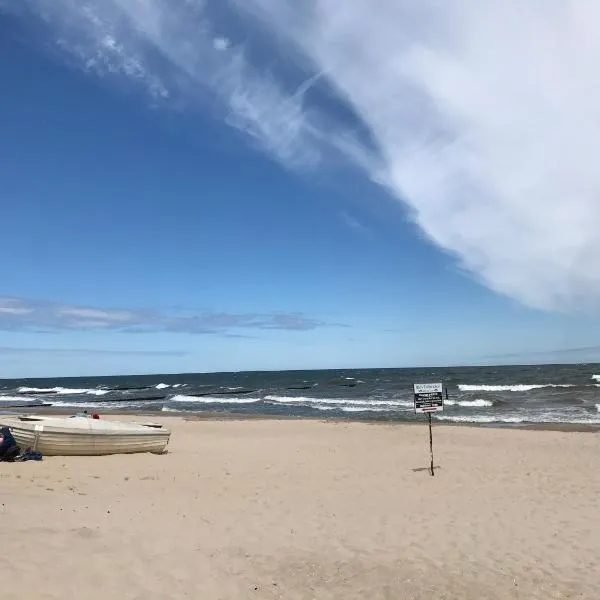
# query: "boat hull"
x,y
59,439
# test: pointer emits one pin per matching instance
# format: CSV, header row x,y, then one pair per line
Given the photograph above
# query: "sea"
x,y
503,395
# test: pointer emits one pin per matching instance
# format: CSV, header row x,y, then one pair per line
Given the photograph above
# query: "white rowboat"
x,y
82,436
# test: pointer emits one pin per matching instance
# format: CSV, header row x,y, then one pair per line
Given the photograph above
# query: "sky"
x,y
191,186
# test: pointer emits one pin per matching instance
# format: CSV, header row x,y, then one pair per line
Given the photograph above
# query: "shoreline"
x,y
231,416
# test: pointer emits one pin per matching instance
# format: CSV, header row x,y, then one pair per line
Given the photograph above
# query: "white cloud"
x,y
487,120
485,115
14,311
95,315
22,314
221,43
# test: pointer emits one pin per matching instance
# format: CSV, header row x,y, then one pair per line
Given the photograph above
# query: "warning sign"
x,y
429,397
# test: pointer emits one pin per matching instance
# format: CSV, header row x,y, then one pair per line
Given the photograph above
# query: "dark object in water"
x,y
130,399
125,388
8,446
300,387
28,405
220,393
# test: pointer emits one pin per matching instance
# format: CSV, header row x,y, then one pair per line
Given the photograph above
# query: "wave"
x,y
518,387
212,399
596,377
543,418
19,399
340,401
479,403
63,391
353,409
125,404
480,419
164,386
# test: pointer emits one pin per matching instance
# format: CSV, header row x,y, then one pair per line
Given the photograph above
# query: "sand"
x,y
296,509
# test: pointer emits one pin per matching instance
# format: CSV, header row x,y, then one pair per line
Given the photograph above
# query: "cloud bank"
x,y
483,118
18,314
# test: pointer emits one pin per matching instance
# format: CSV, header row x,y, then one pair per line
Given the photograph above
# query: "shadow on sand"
x,y
419,469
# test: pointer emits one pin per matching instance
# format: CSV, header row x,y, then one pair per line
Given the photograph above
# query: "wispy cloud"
x,y
484,117
17,314
351,221
174,51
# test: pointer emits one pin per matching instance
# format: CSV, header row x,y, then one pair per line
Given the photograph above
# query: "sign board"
x,y
429,397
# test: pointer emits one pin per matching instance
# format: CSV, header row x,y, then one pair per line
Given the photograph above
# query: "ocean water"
x,y
485,395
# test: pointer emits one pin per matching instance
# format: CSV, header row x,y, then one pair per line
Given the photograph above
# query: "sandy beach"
x,y
304,509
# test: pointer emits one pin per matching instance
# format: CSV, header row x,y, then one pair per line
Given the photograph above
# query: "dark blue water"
x,y
515,394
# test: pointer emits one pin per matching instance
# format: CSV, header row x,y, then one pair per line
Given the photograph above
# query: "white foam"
x,y
479,419
518,387
162,386
598,408
171,410
63,390
479,403
541,418
340,401
355,409
102,405
596,377
19,399
212,400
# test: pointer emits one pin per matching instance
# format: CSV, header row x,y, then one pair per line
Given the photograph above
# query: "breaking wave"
x,y
479,403
212,400
19,399
543,418
353,409
112,406
62,391
518,387
336,401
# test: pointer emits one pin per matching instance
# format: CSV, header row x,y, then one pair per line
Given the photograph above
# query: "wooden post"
x,y
430,443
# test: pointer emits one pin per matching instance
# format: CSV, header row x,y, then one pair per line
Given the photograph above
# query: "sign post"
x,y
429,398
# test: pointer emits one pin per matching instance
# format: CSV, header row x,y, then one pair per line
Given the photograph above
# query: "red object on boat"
x,y
95,416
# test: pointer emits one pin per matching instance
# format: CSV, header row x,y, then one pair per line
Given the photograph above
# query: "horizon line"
x,y
187,373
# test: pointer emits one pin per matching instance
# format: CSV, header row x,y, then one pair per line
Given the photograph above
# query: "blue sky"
x,y
235,207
